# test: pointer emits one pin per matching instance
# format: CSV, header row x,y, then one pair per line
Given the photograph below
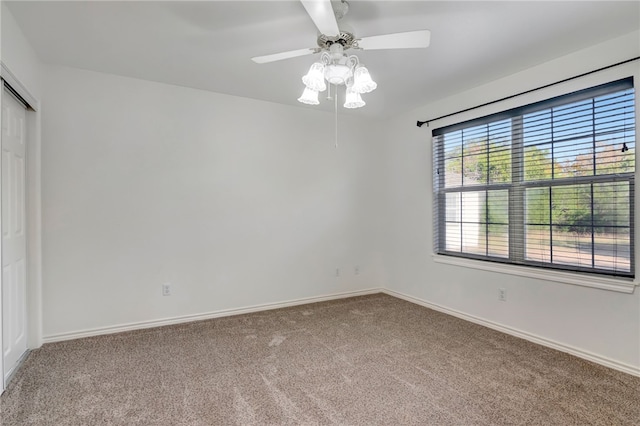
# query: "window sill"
x,y
601,282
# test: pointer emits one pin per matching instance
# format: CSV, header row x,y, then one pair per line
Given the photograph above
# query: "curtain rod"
x,y
420,123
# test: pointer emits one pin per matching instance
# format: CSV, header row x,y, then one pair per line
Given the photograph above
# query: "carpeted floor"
x,y
371,360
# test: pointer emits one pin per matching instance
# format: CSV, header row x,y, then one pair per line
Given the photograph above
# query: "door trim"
x,y
33,212
17,87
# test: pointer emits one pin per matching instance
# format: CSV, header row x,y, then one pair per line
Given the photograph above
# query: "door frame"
x,y
33,213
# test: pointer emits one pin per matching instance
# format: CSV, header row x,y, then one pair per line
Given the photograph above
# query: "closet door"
x,y
14,260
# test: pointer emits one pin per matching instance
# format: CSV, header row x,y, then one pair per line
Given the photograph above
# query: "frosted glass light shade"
x,y
353,99
337,74
314,79
309,97
362,82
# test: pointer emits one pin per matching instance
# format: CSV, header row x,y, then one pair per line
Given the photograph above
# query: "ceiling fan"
x,y
335,66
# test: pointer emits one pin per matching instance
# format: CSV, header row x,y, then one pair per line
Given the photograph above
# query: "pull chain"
x,y
335,103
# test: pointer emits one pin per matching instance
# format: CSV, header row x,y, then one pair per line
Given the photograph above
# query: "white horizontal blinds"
x,y
548,184
476,166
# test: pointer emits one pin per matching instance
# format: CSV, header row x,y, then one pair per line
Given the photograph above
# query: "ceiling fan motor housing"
x,y
345,38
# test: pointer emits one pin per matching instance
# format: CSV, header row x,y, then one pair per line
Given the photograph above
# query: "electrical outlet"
x,y
356,270
166,289
502,294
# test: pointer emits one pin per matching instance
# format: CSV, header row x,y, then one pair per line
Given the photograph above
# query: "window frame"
x,y
572,274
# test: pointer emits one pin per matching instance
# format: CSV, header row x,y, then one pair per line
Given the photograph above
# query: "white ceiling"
x,y
208,44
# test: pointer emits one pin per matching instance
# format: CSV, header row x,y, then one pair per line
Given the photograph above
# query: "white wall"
x,y
18,55
604,323
239,203
235,202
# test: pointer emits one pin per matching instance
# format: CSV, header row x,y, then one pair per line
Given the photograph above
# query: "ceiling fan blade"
x,y
408,40
283,55
321,13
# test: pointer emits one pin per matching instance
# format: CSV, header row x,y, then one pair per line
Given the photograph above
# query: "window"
x,y
550,184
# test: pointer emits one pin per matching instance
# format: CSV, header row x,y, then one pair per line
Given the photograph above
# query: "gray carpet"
x,y
372,360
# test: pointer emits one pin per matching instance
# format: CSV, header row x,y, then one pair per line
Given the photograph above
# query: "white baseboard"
x,y
204,316
598,359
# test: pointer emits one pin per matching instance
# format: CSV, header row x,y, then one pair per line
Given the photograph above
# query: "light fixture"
x,y
362,82
353,99
314,79
338,69
309,97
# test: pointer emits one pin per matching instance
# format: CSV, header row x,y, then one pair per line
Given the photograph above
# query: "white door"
x,y
14,283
